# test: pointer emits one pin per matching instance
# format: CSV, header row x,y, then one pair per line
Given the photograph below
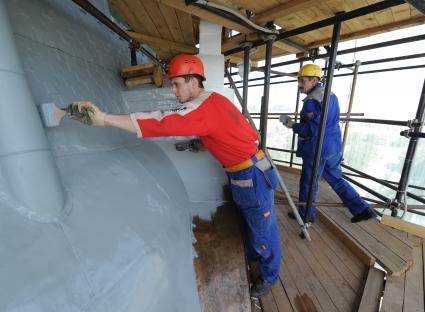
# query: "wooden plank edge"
x,y
364,256
372,291
405,226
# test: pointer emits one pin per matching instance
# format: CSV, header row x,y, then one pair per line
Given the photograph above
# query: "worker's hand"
x,y
86,113
286,121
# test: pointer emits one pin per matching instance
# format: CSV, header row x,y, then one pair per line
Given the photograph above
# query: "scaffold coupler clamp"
x,y
394,206
406,133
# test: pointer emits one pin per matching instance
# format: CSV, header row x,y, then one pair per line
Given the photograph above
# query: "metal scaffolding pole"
x,y
411,150
265,101
350,104
281,183
246,50
297,104
325,107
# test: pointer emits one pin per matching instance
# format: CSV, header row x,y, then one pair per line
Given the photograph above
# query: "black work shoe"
x,y
291,215
364,215
260,288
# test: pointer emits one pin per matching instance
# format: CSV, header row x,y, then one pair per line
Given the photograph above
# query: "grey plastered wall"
x,y
125,240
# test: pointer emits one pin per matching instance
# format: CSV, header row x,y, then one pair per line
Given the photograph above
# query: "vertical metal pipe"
x,y
246,49
25,157
297,104
325,107
133,55
325,72
411,150
350,104
265,101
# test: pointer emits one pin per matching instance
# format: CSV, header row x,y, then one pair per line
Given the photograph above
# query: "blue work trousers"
x,y
253,192
330,169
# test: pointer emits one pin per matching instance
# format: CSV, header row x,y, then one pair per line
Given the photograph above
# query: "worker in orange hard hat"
x,y
228,136
331,155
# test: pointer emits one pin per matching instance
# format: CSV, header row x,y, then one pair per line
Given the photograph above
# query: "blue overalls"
x,y
253,192
331,155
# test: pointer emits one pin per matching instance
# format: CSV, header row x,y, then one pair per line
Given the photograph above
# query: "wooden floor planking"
x,y
329,273
392,260
373,290
315,276
393,294
334,284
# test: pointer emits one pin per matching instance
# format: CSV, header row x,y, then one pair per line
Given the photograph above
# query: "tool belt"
x,y
247,163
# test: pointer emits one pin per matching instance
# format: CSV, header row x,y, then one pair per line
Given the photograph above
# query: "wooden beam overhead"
x,y
203,14
162,43
371,31
237,40
282,10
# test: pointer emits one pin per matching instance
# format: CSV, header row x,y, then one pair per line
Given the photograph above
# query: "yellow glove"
x,y
86,113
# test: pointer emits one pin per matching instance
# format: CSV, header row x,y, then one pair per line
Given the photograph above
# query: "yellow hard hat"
x,y
310,70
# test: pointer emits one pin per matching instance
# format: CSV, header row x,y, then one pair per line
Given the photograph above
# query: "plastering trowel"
x,y
52,115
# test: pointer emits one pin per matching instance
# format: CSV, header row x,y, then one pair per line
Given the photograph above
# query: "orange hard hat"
x,y
186,64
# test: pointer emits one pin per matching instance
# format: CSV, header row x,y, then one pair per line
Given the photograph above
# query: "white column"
x,y
210,53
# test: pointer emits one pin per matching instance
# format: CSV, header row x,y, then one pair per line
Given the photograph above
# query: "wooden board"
x,y
137,81
220,264
373,290
393,294
395,262
414,283
363,254
137,70
404,225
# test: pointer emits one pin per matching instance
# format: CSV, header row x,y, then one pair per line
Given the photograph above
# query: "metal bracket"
x,y
406,133
268,37
245,44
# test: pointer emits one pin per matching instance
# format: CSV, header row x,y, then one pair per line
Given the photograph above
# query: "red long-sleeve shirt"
x,y
223,129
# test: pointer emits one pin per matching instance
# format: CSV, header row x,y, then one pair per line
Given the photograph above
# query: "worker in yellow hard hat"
x,y
309,77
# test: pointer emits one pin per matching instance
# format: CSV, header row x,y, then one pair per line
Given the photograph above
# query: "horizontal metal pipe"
x,y
411,195
280,149
388,181
373,200
287,162
338,75
378,121
352,50
374,193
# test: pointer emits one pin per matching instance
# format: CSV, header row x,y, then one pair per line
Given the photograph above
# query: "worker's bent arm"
x,y
121,122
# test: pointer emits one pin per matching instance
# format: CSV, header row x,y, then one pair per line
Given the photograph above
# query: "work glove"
x,y
286,121
86,113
